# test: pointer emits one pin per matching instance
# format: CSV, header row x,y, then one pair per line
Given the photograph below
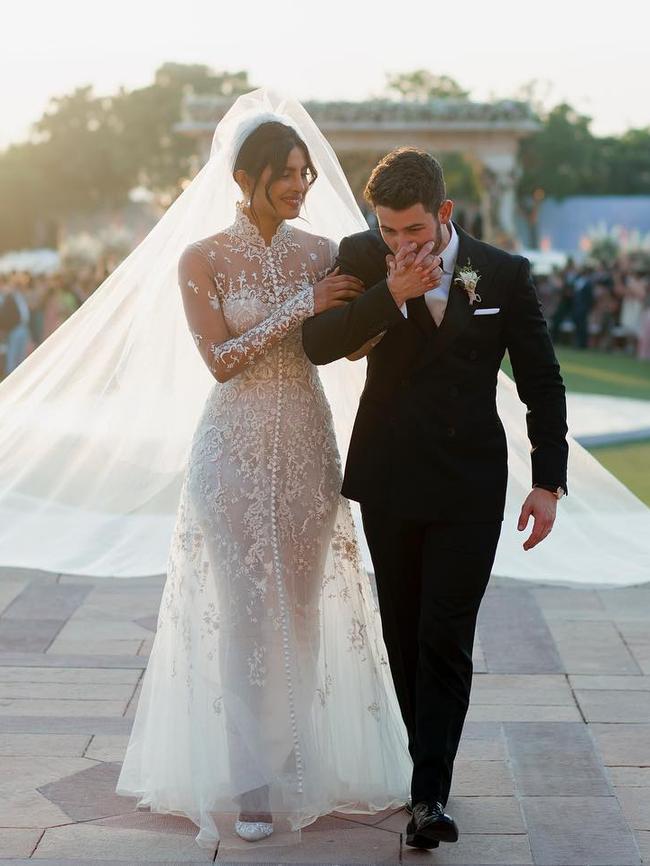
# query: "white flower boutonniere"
x,y
468,278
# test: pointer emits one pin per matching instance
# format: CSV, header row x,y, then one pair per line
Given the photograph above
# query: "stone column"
x,y
501,178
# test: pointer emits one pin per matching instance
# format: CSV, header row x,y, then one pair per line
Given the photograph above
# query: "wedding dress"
x,y
268,672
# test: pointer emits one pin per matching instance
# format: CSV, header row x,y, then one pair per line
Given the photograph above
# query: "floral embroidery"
x,y
211,618
324,692
256,667
357,635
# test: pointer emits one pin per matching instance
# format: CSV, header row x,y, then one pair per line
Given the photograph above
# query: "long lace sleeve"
x,y
225,355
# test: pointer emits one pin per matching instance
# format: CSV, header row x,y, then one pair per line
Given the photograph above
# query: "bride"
x,y
267,685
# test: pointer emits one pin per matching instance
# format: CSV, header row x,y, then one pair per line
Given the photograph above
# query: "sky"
x,y
594,55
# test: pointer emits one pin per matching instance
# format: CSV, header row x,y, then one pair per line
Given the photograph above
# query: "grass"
x,y
589,372
630,464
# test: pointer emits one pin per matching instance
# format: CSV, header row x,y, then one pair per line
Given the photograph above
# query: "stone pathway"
x,y
554,765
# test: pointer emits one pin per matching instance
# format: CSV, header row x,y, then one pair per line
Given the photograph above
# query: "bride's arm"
x,y
346,331
224,355
362,351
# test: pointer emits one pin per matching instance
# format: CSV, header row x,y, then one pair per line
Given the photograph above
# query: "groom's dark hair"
x,y
404,177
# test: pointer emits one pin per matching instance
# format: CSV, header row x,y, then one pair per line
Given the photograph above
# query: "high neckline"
x,y
248,230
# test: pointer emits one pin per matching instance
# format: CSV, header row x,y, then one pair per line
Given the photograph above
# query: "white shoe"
x,y
253,831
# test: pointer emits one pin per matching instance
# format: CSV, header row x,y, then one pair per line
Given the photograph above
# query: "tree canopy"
x,y
89,151
422,85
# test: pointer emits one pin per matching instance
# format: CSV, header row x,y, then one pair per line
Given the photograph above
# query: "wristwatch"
x,y
558,492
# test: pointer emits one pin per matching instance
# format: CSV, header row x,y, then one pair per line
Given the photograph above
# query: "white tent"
x,y
38,261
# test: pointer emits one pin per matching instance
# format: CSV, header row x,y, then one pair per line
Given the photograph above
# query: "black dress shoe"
x,y
429,825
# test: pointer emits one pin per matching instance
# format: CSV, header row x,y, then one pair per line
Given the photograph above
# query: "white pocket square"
x,y
486,311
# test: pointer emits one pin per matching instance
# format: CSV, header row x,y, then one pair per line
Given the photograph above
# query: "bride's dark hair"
x,y
270,144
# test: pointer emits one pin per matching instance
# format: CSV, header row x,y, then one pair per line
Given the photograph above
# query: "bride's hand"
x,y
335,290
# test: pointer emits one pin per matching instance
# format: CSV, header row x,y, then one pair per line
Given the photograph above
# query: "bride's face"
x,y
287,193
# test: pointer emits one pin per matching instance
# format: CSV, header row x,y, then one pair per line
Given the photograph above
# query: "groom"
x,y
427,459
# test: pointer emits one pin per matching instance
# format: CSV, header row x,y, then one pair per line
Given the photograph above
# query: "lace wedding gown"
x,y
268,672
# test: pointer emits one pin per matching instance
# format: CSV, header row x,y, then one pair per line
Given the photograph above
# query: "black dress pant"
x,y
430,579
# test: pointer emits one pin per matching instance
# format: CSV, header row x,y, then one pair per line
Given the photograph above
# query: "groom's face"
x,y
414,224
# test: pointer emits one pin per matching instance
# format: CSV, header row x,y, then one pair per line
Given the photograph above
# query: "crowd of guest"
x,y
586,306
597,307
32,306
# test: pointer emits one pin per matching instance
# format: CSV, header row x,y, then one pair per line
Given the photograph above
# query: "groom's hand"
x,y
541,505
411,274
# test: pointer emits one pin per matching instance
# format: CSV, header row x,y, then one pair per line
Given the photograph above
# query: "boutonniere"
x,y
468,277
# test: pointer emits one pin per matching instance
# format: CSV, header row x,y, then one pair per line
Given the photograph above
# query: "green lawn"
x,y
589,372
630,464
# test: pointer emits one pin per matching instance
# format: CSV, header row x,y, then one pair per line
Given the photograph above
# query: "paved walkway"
x,y
554,765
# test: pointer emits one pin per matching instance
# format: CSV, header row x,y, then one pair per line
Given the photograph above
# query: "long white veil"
x,y
96,423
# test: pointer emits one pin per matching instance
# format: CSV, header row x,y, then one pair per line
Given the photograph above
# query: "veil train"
x,y
95,424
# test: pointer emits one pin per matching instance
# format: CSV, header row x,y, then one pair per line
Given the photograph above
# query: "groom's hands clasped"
x,y
412,272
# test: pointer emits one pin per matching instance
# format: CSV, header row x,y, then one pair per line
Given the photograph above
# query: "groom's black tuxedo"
x,y
428,463
427,438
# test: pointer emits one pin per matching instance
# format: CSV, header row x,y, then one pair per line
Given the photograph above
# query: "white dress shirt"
x,y
436,299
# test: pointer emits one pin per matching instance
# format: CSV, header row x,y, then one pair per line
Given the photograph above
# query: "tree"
x,y
87,152
78,155
21,187
564,158
560,159
626,162
146,118
422,85
557,161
